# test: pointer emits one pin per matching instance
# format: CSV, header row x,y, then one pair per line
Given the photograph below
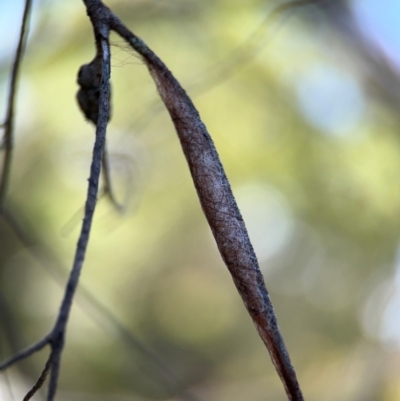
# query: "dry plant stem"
x,y
8,125
216,198
27,352
58,333
56,337
39,383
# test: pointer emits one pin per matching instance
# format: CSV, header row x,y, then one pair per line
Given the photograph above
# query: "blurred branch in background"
x,y
377,73
6,147
237,59
90,304
8,124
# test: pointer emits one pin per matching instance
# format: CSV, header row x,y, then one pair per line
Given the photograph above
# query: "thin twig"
x,y
101,33
25,353
56,338
8,125
39,383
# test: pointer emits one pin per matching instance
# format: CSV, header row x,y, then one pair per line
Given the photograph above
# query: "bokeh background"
x,y
304,110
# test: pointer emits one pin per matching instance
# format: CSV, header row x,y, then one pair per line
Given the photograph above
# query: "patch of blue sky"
x,y
11,13
10,24
380,20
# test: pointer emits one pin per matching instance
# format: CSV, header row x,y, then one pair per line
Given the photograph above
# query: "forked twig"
x,y
101,31
55,339
212,187
92,306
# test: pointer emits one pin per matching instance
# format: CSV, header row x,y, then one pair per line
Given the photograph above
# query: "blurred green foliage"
x,y
321,202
